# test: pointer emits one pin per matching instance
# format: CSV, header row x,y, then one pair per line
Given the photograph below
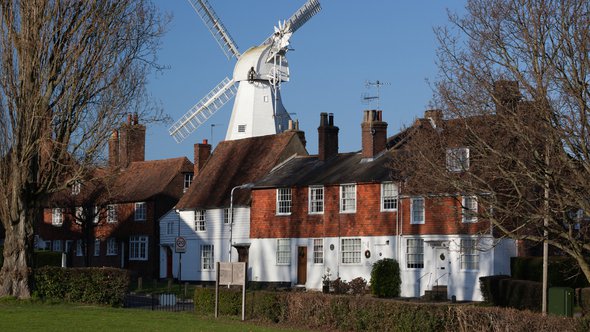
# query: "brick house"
x,y
338,213
220,194
111,219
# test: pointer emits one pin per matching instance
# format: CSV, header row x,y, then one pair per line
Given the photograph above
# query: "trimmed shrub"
x,y
318,311
46,258
87,285
490,288
385,278
521,294
358,286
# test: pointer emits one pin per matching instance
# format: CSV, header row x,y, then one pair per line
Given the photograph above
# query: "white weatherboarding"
x,y
259,72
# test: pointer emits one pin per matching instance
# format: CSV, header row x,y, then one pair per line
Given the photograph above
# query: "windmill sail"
x,y
203,110
302,15
306,12
213,23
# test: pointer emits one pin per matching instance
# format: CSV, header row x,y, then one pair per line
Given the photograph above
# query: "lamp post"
x,y
231,211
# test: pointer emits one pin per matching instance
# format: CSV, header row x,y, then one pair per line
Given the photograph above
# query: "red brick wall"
x,y
442,216
367,221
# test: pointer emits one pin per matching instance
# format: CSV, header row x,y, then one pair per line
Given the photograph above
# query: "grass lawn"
x,y
28,316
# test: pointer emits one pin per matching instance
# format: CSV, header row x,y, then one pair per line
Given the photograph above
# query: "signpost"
x,y
231,274
180,244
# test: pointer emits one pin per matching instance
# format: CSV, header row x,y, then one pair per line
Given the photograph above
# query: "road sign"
x,y
180,244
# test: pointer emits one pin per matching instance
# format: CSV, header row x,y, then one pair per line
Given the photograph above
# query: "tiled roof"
x,y
343,168
238,162
140,181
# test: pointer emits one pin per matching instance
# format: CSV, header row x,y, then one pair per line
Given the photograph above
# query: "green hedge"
x,y
87,285
507,292
353,313
561,272
40,258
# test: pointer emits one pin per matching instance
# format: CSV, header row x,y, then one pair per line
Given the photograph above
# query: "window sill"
x,y
138,259
316,213
348,212
417,223
283,214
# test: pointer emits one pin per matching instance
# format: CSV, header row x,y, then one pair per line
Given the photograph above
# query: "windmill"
x,y
256,81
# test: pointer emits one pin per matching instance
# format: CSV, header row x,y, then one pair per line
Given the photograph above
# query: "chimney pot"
x,y
135,118
129,119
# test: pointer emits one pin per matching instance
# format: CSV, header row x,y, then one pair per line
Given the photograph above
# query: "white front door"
x,y
441,259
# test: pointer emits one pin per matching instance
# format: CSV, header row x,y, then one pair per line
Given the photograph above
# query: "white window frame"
x,y
207,257
283,251
469,208
138,248
318,251
226,216
56,246
415,253
348,198
350,251
79,248
458,159
96,214
140,211
417,202
57,216
76,188
389,196
112,213
284,201
200,220
316,200
112,249
79,215
469,255
96,247
187,181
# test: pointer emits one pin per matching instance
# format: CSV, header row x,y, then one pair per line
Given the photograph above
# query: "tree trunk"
x,y
16,272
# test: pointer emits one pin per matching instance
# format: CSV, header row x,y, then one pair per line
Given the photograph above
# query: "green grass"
x,y
30,316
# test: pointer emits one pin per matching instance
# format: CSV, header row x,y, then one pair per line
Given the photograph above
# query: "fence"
x,y
159,301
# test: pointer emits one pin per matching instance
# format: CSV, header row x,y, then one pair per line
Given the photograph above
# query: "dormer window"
x,y
458,159
188,180
76,187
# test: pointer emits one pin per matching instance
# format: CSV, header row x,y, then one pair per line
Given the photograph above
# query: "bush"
x,y
385,278
46,258
340,286
263,305
490,288
86,285
358,286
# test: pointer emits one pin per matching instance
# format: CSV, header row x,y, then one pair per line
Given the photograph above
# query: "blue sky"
x,y
335,53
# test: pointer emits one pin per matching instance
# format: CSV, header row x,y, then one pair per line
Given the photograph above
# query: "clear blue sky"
x,y
344,45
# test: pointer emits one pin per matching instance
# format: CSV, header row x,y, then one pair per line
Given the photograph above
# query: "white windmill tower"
x,y
258,73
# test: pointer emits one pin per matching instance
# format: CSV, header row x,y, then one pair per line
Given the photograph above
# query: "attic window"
x,y
188,179
242,128
76,188
458,159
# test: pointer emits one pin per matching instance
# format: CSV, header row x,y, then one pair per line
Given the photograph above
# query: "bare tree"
x,y
514,83
69,70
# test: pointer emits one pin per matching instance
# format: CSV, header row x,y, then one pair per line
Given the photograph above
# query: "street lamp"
x,y
231,211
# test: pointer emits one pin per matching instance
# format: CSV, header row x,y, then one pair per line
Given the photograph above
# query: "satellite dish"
x,y
256,81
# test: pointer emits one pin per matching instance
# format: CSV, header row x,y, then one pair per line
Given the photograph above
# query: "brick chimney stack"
x,y
202,154
114,149
131,141
435,116
294,126
327,137
373,133
506,95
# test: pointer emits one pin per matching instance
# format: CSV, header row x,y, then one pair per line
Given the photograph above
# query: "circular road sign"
x,y
180,244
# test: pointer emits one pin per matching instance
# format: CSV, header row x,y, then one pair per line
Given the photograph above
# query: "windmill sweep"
x,y
256,81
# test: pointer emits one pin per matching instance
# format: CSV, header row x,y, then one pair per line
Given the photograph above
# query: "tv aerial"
x,y
367,98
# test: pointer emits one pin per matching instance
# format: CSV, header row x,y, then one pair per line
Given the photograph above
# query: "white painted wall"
x,y
217,233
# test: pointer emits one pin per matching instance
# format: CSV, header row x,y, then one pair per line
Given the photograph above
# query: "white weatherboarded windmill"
x,y
258,73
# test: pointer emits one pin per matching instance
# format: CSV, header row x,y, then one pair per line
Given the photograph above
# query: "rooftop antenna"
x,y
366,98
